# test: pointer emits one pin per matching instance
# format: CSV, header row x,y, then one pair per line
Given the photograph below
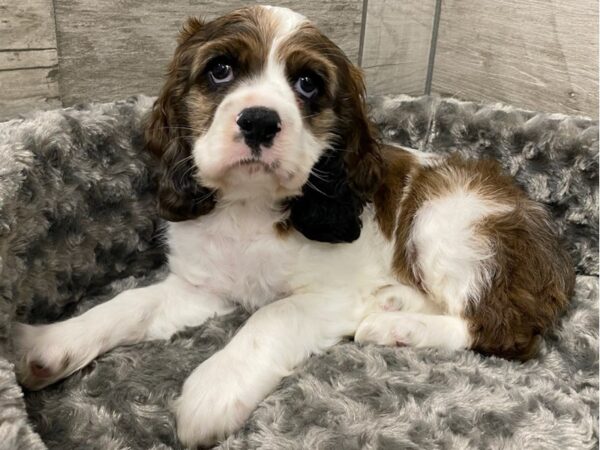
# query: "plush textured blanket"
x,y
78,225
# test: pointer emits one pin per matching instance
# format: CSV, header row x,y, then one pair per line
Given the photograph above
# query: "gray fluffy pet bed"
x,y
78,225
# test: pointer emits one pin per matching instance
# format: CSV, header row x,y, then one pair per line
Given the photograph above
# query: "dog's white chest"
x,y
234,254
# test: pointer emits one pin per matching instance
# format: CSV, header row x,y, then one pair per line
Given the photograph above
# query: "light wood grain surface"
x,y
26,90
396,45
537,54
28,57
110,49
26,24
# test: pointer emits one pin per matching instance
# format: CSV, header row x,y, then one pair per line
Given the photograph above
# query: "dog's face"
x,y
260,103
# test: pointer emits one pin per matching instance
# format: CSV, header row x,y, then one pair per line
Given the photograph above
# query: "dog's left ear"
x,y
348,175
360,145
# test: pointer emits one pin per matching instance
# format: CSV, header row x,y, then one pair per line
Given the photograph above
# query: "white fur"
x,y
403,315
287,20
455,261
414,329
308,295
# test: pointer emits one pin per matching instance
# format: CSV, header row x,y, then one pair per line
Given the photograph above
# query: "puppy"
x,y
281,199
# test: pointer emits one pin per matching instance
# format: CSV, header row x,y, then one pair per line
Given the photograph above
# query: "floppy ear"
x,y
328,210
361,147
180,196
347,176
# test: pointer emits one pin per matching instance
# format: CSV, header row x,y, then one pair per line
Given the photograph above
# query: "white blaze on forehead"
x,y
287,23
272,84
287,19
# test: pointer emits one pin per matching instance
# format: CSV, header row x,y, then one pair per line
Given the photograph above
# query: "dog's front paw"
x,y
216,400
48,353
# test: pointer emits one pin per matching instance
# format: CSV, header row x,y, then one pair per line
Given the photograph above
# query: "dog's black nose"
x,y
259,125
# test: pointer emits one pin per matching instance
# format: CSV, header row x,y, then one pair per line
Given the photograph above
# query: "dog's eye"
x,y
307,86
220,71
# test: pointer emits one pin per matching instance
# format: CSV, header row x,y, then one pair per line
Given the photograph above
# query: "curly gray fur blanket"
x,y
78,225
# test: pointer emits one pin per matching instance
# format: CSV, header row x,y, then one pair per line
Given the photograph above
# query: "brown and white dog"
x,y
282,200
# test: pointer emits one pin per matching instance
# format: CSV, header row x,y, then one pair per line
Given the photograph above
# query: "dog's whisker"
x,y
312,186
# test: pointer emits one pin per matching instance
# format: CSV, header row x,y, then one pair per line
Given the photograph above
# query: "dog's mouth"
x,y
250,172
253,165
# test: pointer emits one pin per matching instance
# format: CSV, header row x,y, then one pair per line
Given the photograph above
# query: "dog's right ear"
x,y
168,138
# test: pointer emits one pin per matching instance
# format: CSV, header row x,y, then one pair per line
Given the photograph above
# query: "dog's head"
x,y
260,103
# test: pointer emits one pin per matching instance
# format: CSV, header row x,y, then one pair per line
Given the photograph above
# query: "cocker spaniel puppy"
x,y
281,199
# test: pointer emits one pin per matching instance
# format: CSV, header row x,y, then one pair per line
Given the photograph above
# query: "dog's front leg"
x,y
48,353
220,394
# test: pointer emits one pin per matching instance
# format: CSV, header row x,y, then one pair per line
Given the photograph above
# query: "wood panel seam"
x,y
59,74
540,56
396,46
363,28
28,49
29,68
433,46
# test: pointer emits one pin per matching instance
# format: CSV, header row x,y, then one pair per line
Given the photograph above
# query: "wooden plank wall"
x,y
28,57
107,52
536,54
396,46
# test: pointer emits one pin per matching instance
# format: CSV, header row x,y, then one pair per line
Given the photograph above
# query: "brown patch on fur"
x,y
283,229
531,285
393,194
308,48
532,276
387,199
340,111
304,52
